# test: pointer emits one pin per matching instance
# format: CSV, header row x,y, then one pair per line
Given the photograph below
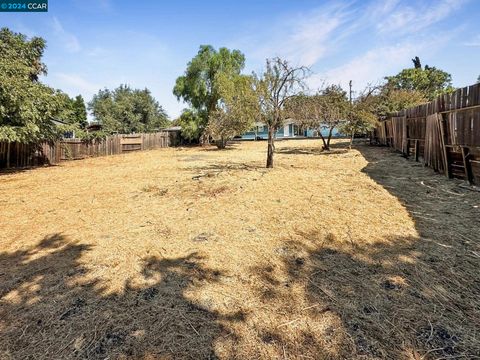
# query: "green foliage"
x,y
26,105
333,105
72,111
429,81
387,100
478,79
191,123
127,110
327,109
198,86
237,108
360,119
324,110
80,111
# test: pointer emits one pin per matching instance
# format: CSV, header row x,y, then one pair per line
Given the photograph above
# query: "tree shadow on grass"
x,y
215,169
337,147
51,307
230,146
14,171
310,151
412,297
396,300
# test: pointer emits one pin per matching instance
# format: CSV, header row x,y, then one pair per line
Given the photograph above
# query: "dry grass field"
x,y
194,253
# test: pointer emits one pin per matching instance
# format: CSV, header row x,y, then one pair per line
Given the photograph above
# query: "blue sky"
x,y
94,44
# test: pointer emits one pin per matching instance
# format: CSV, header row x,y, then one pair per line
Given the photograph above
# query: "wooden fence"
x,y
444,134
18,155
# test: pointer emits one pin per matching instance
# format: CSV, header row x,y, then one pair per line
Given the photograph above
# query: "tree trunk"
x,y
351,140
327,147
270,148
205,139
323,140
222,143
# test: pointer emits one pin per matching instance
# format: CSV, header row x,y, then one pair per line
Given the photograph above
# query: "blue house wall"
x,y
250,135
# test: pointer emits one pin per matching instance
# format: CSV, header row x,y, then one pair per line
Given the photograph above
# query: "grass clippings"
x,y
196,253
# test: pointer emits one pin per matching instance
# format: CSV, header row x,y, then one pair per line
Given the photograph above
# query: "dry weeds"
x,y
197,253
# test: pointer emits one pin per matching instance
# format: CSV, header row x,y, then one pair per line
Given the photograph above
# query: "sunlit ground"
x,y
199,253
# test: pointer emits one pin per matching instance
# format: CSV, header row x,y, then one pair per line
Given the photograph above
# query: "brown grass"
x,y
191,253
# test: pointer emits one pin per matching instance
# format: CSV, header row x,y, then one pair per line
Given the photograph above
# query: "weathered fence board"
x,y
18,155
445,133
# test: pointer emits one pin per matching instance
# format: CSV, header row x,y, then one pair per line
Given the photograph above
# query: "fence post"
x,y
416,150
443,144
467,164
8,154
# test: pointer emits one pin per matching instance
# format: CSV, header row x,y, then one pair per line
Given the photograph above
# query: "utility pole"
x,y
350,85
353,131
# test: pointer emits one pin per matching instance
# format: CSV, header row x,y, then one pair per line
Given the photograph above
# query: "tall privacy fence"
x,y
17,155
444,134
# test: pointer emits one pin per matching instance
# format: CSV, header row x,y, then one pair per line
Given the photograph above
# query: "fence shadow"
x,y
403,297
51,307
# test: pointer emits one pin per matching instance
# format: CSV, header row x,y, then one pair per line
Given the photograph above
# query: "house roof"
x,y
172,128
58,122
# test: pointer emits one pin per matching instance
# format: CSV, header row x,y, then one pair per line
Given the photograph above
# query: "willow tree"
x,y
279,83
197,86
236,109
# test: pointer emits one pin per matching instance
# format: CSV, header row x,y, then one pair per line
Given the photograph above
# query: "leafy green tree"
x,y
333,107
279,83
326,110
385,100
478,79
236,110
127,110
190,122
430,81
197,86
360,119
72,111
26,105
80,111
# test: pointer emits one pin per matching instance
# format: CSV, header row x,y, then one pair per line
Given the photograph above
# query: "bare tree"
x,y
279,83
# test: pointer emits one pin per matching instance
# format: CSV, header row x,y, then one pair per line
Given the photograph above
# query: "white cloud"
x,y
372,66
304,38
308,37
368,68
69,40
384,34
404,19
76,84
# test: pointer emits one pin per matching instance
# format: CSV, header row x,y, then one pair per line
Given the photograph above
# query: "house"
x,y
93,127
288,131
66,134
175,135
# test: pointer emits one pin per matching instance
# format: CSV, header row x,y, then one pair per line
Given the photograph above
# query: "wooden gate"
x,y
132,142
